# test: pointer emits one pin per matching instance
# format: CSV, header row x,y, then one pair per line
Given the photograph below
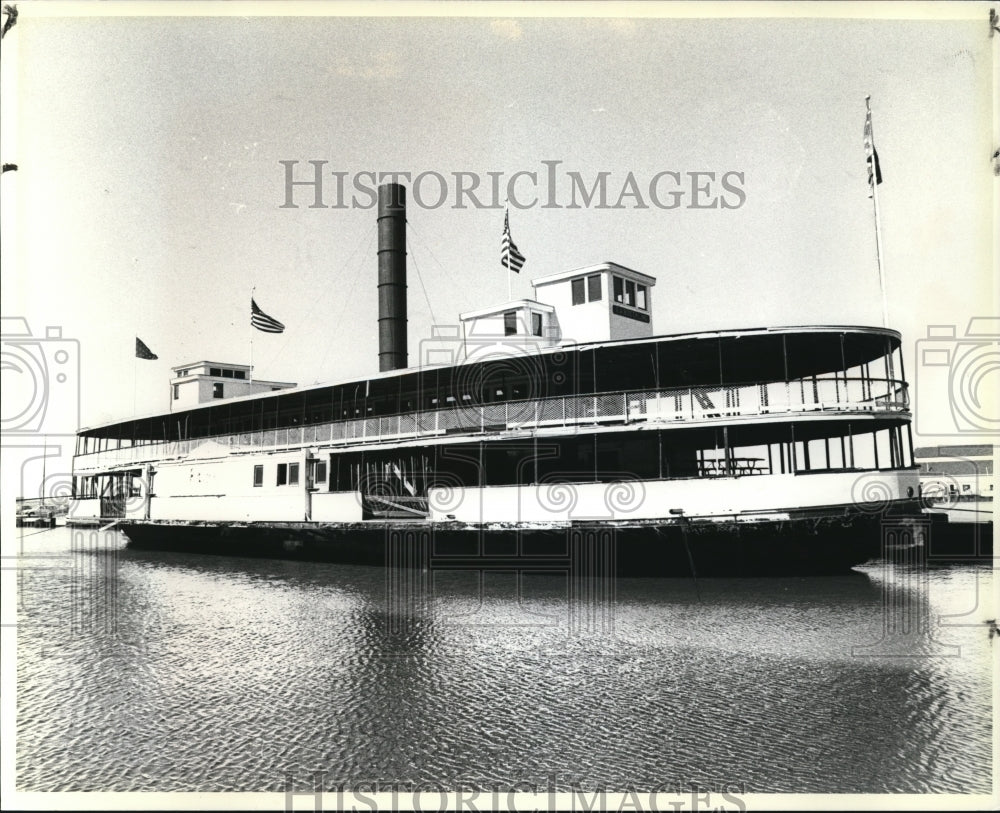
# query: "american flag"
x,y
508,250
262,321
871,155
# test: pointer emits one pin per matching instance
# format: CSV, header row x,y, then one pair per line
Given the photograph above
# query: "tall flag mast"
x,y
874,179
510,257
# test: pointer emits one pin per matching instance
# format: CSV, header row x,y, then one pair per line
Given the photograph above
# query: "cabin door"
x,y
113,495
316,480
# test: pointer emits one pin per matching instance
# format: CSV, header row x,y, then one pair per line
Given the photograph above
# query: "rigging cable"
x,y
426,247
369,237
423,288
316,301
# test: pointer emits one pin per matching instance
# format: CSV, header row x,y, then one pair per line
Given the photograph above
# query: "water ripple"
x,y
224,674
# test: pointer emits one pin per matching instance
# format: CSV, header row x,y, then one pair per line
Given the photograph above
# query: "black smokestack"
x,y
391,277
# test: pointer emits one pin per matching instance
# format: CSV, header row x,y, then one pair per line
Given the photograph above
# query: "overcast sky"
x,y
149,188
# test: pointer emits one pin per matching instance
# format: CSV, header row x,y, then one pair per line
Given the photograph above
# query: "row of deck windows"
x,y
624,291
629,293
510,324
287,474
605,458
225,372
218,372
590,285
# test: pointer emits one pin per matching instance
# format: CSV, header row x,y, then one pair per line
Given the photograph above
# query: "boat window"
x,y
240,374
630,293
282,474
536,324
321,473
577,286
258,476
227,373
619,289
509,323
177,391
640,297
215,371
594,288
217,390
293,474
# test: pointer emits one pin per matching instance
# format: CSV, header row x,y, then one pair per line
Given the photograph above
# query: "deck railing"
x,y
664,407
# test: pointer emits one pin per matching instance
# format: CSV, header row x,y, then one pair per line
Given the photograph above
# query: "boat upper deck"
x,y
672,380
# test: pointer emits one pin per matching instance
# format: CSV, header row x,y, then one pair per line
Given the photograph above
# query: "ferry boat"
x,y
559,430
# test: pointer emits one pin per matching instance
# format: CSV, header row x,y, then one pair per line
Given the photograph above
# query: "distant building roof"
x,y
229,364
979,450
964,468
514,304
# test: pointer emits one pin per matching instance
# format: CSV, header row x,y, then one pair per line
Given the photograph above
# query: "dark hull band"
x,y
807,546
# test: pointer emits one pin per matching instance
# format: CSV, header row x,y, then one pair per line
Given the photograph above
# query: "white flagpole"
x,y
254,288
879,250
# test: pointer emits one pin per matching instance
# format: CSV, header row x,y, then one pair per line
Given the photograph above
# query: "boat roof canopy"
x,y
660,362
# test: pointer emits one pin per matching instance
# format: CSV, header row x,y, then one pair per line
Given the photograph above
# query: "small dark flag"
x,y
262,321
143,352
11,20
508,250
871,156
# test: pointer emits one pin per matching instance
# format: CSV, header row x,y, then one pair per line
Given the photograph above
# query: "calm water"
x,y
173,672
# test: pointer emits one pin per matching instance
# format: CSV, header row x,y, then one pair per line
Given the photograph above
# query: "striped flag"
x,y
143,352
871,155
508,250
262,321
